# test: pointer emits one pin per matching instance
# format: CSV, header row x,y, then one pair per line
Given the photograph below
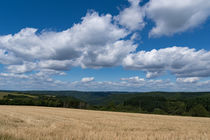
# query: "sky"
x,y
106,45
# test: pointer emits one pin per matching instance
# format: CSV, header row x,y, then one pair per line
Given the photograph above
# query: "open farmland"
x,y
43,123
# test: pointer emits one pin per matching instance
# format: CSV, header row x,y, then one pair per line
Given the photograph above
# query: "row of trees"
x,y
191,106
43,100
160,105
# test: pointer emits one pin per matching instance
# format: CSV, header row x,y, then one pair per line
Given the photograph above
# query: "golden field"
x,y
43,123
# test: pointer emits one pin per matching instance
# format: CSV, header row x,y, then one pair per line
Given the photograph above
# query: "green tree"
x,y
159,111
176,107
199,110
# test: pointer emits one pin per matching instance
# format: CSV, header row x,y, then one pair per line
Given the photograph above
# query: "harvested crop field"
x,y
43,123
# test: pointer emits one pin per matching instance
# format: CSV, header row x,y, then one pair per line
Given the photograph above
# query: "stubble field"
x,y
43,123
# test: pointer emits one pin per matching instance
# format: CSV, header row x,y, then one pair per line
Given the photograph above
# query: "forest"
x,y
166,103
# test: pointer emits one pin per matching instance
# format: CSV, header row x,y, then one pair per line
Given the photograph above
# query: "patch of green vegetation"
x,y
8,137
12,98
2,94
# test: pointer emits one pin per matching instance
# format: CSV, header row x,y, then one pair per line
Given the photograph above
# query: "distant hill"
x,y
51,100
100,98
173,103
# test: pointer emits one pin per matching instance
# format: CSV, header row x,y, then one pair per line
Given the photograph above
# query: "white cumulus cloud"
x,y
188,80
105,40
133,16
87,79
95,42
133,79
174,16
180,61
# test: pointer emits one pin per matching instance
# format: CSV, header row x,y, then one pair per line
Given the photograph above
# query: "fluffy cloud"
x,y
87,79
132,17
173,16
12,75
139,84
181,61
8,58
56,64
95,42
133,79
23,68
42,81
100,41
107,56
188,80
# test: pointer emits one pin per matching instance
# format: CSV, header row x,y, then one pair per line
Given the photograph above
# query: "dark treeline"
x,y
184,104
43,100
199,106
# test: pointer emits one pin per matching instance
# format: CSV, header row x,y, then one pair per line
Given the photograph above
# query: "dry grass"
x,y
42,123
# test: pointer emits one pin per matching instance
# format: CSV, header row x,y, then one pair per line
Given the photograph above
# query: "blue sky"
x,y
121,45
